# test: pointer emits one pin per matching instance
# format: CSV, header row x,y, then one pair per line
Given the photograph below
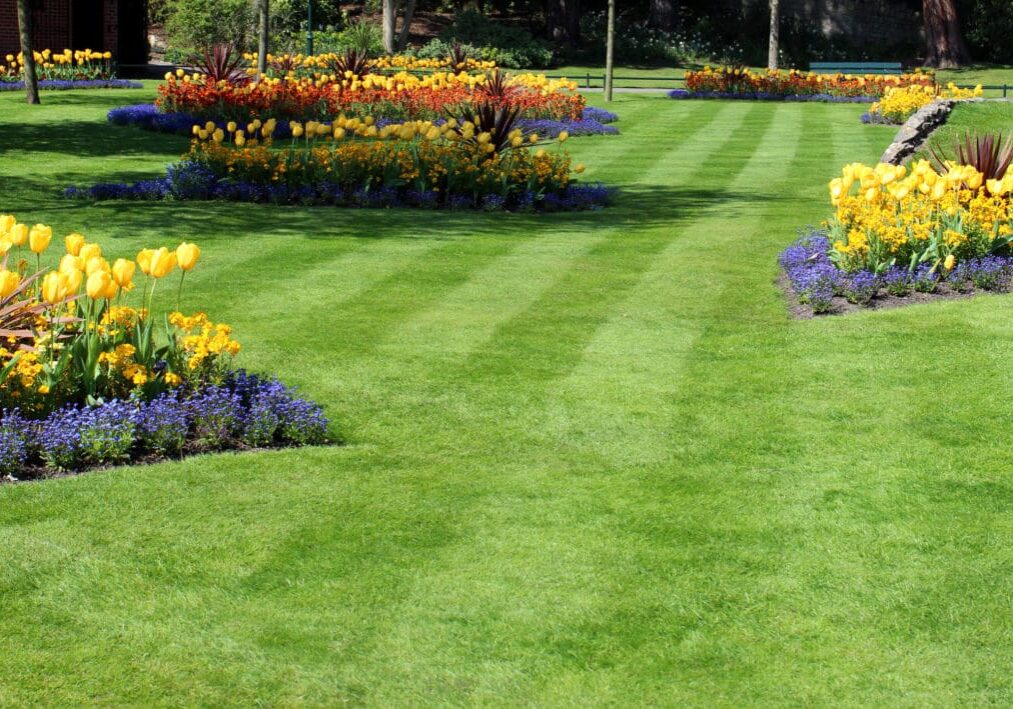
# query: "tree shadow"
x,y
89,139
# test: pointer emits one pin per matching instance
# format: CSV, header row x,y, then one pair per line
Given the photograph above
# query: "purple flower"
x,y
14,434
860,287
163,424
61,85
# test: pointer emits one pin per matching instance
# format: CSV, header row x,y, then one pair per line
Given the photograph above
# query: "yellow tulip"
x,y
123,272
54,287
563,135
5,244
74,278
949,262
74,242
96,263
187,255
6,222
98,284
144,261
9,281
69,263
231,126
89,251
18,234
162,262
39,238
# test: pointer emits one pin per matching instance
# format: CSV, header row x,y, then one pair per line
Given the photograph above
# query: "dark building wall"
x,y
117,26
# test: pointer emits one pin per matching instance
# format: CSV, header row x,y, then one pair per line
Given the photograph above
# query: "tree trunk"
x,y
406,25
25,29
389,26
564,21
944,45
775,27
262,38
662,14
609,46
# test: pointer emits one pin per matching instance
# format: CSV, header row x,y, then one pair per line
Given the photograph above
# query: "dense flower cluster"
x,y
894,215
68,65
899,104
301,65
731,81
399,96
357,162
817,281
767,96
593,121
86,376
62,85
900,229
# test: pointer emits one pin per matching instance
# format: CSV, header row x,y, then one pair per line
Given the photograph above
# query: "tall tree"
x,y
773,44
395,40
564,21
263,30
944,45
609,50
662,14
25,29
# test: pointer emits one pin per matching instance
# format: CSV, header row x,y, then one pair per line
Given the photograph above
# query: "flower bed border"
x,y
61,85
686,94
594,121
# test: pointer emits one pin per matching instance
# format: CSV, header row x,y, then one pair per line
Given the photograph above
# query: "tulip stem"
x,y
179,291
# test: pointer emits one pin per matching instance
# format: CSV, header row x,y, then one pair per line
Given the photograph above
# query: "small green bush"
x,y
507,45
194,25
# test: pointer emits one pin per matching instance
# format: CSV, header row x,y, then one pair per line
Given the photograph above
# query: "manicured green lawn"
x,y
589,457
974,118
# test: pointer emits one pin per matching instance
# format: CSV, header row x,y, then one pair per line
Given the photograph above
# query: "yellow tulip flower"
x,y
6,222
187,255
69,263
98,284
39,237
74,278
123,272
89,251
144,260
949,262
96,263
9,282
73,242
563,135
18,234
5,244
54,287
162,262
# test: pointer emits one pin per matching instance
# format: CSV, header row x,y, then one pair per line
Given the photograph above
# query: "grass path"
x,y
590,460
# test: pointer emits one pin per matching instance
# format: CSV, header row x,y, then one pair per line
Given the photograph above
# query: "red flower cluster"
x,y
303,100
798,83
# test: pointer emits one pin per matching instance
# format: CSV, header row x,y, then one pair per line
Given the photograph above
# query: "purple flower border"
x,y
819,284
686,94
61,85
244,411
593,121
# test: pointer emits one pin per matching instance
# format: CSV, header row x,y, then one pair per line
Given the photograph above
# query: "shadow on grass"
x,y
633,210
89,139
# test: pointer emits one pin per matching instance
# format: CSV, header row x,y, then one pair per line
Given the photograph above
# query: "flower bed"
x,y
765,96
483,163
69,69
61,85
402,96
900,231
301,65
593,121
91,376
899,104
736,82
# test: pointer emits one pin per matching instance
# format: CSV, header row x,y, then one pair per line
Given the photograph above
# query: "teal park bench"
x,y
859,68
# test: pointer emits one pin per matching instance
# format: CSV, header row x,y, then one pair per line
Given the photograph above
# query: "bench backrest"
x,y
856,67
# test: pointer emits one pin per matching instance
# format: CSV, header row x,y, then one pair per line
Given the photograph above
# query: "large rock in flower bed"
x,y
917,129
